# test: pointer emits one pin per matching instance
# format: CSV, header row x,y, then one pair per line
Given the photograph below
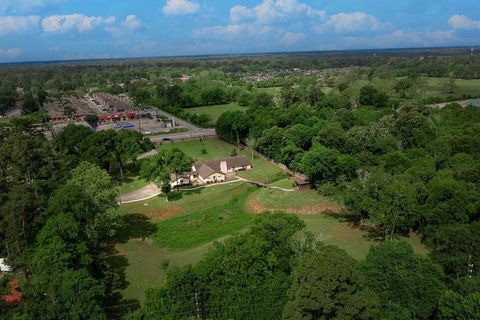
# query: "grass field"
x,y
132,184
436,87
430,88
274,91
214,112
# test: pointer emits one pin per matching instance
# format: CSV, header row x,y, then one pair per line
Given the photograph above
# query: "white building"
x,y
4,267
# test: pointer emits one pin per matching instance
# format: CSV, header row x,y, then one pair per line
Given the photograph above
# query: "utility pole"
x,y
197,306
470,266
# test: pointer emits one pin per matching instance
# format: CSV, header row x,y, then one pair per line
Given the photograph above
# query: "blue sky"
x,y
84,29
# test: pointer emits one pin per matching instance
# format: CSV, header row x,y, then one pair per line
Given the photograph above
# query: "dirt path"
x,y
145,193
256,207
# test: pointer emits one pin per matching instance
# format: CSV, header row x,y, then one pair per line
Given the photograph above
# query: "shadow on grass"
x,y
134,226
116,306
175,196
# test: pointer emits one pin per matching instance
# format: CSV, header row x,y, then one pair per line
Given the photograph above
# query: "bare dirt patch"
x,y
256,207
164,213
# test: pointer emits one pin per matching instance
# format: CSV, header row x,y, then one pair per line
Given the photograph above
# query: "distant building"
x,y
112,104
4,267
56,109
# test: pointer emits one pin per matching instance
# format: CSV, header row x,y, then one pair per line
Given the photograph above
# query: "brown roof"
x,y
237,162
205,170
233,162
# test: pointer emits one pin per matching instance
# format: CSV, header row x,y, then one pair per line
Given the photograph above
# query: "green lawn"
x,y
203,226
132,184
436,87
214,112
274,91
431,87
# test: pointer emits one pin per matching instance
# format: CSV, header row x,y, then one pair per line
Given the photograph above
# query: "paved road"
x,y
203,133
194,131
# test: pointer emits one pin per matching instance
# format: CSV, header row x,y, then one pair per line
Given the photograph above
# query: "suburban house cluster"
x,y
211,171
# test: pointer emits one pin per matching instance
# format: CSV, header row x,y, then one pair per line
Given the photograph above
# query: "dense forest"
x,y
397,165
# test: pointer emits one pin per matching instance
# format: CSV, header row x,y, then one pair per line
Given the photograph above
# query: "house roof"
x,y
206,171
236,162
233,162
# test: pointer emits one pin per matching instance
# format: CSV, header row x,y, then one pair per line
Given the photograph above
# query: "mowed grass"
x,y
214,112
146,265
274,91
439,87
205,225
132,184
431,87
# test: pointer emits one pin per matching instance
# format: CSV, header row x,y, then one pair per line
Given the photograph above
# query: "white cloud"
x,y
180,7
17,24
234,31
131,24
10,53
270,10
352,22
290,38
463,22
76,21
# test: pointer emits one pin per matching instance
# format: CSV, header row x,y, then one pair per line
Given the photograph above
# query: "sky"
x,y
40,30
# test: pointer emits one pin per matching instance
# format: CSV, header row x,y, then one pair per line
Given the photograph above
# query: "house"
x,y
4,267
302,183
180,180
213,171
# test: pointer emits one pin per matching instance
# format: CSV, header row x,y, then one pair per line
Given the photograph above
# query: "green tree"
x,y
401,86
395,210
163,165
452,246
327,285
322,164
455,306
245,277
262,100
369,96
314,95
408,285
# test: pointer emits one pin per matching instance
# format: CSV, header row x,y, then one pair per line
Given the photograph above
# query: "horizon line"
x,y
230,54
